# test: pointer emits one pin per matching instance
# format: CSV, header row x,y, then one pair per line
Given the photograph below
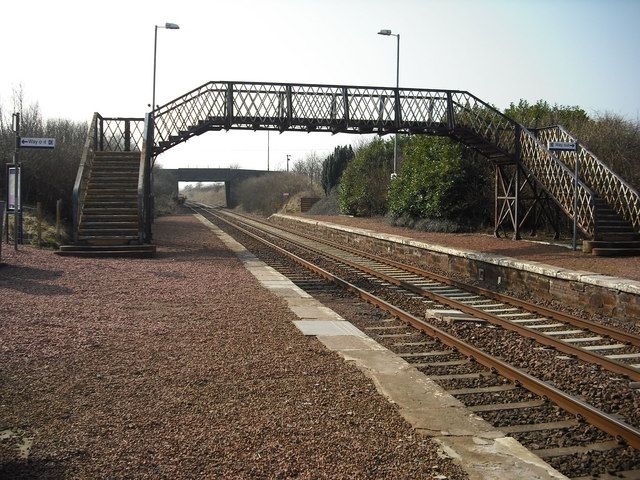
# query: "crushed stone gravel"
x,y
181,367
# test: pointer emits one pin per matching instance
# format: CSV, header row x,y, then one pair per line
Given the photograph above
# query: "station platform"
x,y
528,248
204,362
603,286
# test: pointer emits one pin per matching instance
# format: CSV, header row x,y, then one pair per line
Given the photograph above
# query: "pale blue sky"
x,y
80,57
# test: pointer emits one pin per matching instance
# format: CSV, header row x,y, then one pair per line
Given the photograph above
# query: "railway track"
x,y
515,401
568,334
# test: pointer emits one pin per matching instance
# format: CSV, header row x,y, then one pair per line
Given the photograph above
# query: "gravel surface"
x,y
180,367
626,267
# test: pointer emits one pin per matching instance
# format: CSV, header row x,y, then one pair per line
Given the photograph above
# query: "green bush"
x,y
365,182
441,181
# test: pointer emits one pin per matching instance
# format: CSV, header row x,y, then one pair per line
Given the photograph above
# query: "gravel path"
x,y
626,267
180,367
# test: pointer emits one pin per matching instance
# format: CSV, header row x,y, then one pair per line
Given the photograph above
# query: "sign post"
x,y
2,207
14,173
17,204
570,147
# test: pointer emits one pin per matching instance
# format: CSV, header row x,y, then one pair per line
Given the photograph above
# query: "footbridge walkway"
x,y
112,205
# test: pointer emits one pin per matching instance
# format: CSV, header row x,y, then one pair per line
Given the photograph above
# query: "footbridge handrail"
x,y
621,196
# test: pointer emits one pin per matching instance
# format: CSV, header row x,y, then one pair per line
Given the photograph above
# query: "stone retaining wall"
x,y
599,294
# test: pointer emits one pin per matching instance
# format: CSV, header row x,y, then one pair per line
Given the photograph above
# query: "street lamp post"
x,y
168,26
388,33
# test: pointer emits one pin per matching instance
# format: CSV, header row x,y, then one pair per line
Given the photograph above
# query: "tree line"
x,y
47,175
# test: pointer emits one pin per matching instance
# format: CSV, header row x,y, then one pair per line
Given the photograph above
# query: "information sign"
x,y
32,142
562,146
12,200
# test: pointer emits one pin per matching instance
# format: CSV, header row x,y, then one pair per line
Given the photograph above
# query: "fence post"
x,y
127,136
101,135
58,218
39,223
450,120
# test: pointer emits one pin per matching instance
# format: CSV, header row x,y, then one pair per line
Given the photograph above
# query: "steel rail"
x,y
616,334
586,355
606,422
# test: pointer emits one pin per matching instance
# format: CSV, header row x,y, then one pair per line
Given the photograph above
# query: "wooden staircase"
x,y
108,219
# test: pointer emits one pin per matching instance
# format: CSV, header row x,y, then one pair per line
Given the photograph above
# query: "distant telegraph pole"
x,y
288,162
268,132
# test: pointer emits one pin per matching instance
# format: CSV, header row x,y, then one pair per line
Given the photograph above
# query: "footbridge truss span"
x,y
529,177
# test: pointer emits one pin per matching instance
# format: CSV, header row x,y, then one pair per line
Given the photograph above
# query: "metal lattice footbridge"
x,y
529,177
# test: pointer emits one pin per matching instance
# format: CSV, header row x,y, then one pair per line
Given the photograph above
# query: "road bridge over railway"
x,y
113,205
231,177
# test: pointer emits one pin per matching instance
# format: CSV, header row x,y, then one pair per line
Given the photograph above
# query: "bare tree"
x,y
311,166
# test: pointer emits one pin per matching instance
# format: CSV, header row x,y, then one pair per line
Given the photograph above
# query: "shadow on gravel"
x,y
29,280
189,254
32,469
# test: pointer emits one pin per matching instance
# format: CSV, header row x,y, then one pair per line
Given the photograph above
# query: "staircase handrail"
x,y
84,169
621,196
144,180
550,172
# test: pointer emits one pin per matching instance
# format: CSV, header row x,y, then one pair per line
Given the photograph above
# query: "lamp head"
x,y
384,32
171,26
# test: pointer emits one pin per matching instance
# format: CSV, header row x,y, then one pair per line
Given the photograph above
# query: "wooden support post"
x,y
58,219
39,223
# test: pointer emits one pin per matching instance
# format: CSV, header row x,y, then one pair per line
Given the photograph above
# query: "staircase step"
x,y
100,230
616,252
617,236
136,251
611,221
118,194
111,186
614,228
108,217
106,225
126,175
127,211
109,165
111,190
114,238
591,244
110,208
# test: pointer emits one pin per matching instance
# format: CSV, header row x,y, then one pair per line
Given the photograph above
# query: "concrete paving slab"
x,y
512,460
347,343
327,328
315,312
